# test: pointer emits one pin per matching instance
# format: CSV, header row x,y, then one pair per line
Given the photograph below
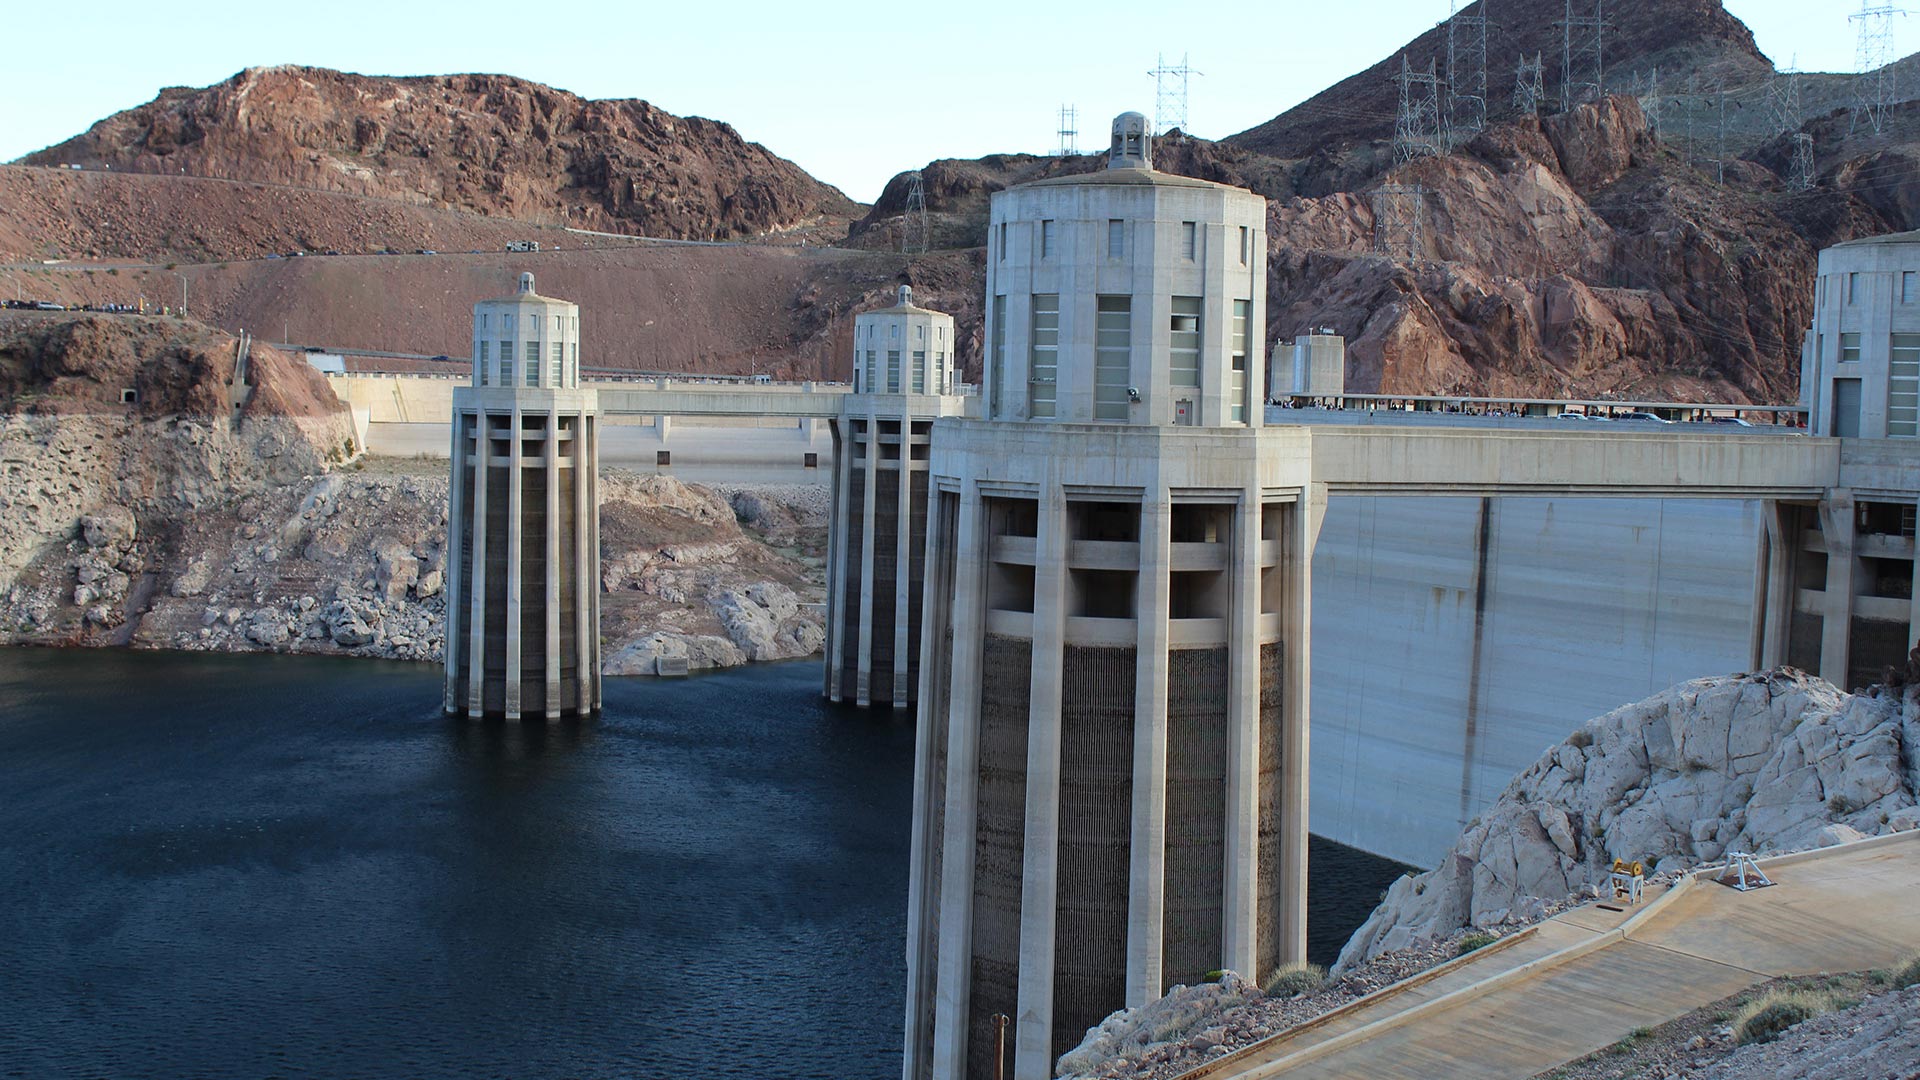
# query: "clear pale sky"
x,y
853,93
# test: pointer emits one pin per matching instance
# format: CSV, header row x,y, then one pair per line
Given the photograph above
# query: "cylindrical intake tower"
x,y
1110,784
523,600
903,378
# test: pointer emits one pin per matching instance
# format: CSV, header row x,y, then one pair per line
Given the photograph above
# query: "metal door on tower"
x,y
1183,412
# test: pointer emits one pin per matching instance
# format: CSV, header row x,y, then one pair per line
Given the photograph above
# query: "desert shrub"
x,y
1479,939
1296,979
1770,1020
1580,739
1842,805
1907,975
1767,1016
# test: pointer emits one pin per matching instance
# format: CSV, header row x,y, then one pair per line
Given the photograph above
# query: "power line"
x,y
1875,91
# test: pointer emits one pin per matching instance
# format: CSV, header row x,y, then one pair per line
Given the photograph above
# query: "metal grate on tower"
x,y
1529,85
1875,91
1069,131
1170,94
1416,129
1466,73
915,233
1399,217
1582,51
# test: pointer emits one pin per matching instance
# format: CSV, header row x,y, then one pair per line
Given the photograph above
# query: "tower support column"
x,y
1147,886
1033,1054
1836,622
953,982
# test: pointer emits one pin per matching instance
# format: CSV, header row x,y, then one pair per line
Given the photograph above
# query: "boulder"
x,y
1776,761
108,527
1182,1014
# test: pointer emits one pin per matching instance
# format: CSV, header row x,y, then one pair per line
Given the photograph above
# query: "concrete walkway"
x,y
1586,979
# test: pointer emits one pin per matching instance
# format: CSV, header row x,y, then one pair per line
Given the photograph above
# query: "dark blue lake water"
x,y
272,866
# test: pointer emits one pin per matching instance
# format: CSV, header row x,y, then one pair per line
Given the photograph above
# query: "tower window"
x,y
919,371
1849,348
1853,288
1002,255
1184,342
1116,238
1246,242
1237,356
1112,356
1903,387
559,357
532,366
893,371
1046,239
866,384
1907,284
1189,240
1043,356
997,358
506,322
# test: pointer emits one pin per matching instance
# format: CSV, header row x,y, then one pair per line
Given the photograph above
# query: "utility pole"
x,y
1466,74
1582,44
1170,94
1416,129
183,294
1069,131
1874,87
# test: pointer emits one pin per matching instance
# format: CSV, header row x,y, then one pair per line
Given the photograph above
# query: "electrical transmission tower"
x,y
1170,94
1874,89
915,233
1399,217
1783,101
1800,175
1416,130
1650,103
1582,41
1069,132
1529,85
1466,74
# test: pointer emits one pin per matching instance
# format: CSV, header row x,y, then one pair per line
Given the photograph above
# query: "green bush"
x,y
1296,979
1476,940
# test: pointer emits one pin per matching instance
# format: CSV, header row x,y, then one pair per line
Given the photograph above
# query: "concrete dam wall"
x,y
1455,639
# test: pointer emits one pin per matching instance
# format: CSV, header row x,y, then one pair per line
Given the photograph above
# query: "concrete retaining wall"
x,y
1455,639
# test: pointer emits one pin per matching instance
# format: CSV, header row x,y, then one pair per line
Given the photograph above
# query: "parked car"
x,y
1646,416
1734,420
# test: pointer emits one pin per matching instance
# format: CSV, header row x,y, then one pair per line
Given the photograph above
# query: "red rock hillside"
x,y
492,144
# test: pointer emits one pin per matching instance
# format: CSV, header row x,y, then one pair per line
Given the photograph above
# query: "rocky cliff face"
x,y
174,521
492,144
1677,36
1777,761
115,426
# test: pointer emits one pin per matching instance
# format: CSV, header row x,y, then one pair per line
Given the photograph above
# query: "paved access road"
x,y
1581,982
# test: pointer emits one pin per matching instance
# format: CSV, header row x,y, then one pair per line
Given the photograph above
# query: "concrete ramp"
x,y
1589,977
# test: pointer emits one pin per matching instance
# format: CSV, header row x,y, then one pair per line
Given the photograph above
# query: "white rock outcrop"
x,y
1775,761
1183,1013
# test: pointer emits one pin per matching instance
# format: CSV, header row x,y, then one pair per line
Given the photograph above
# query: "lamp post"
x,y
183,294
